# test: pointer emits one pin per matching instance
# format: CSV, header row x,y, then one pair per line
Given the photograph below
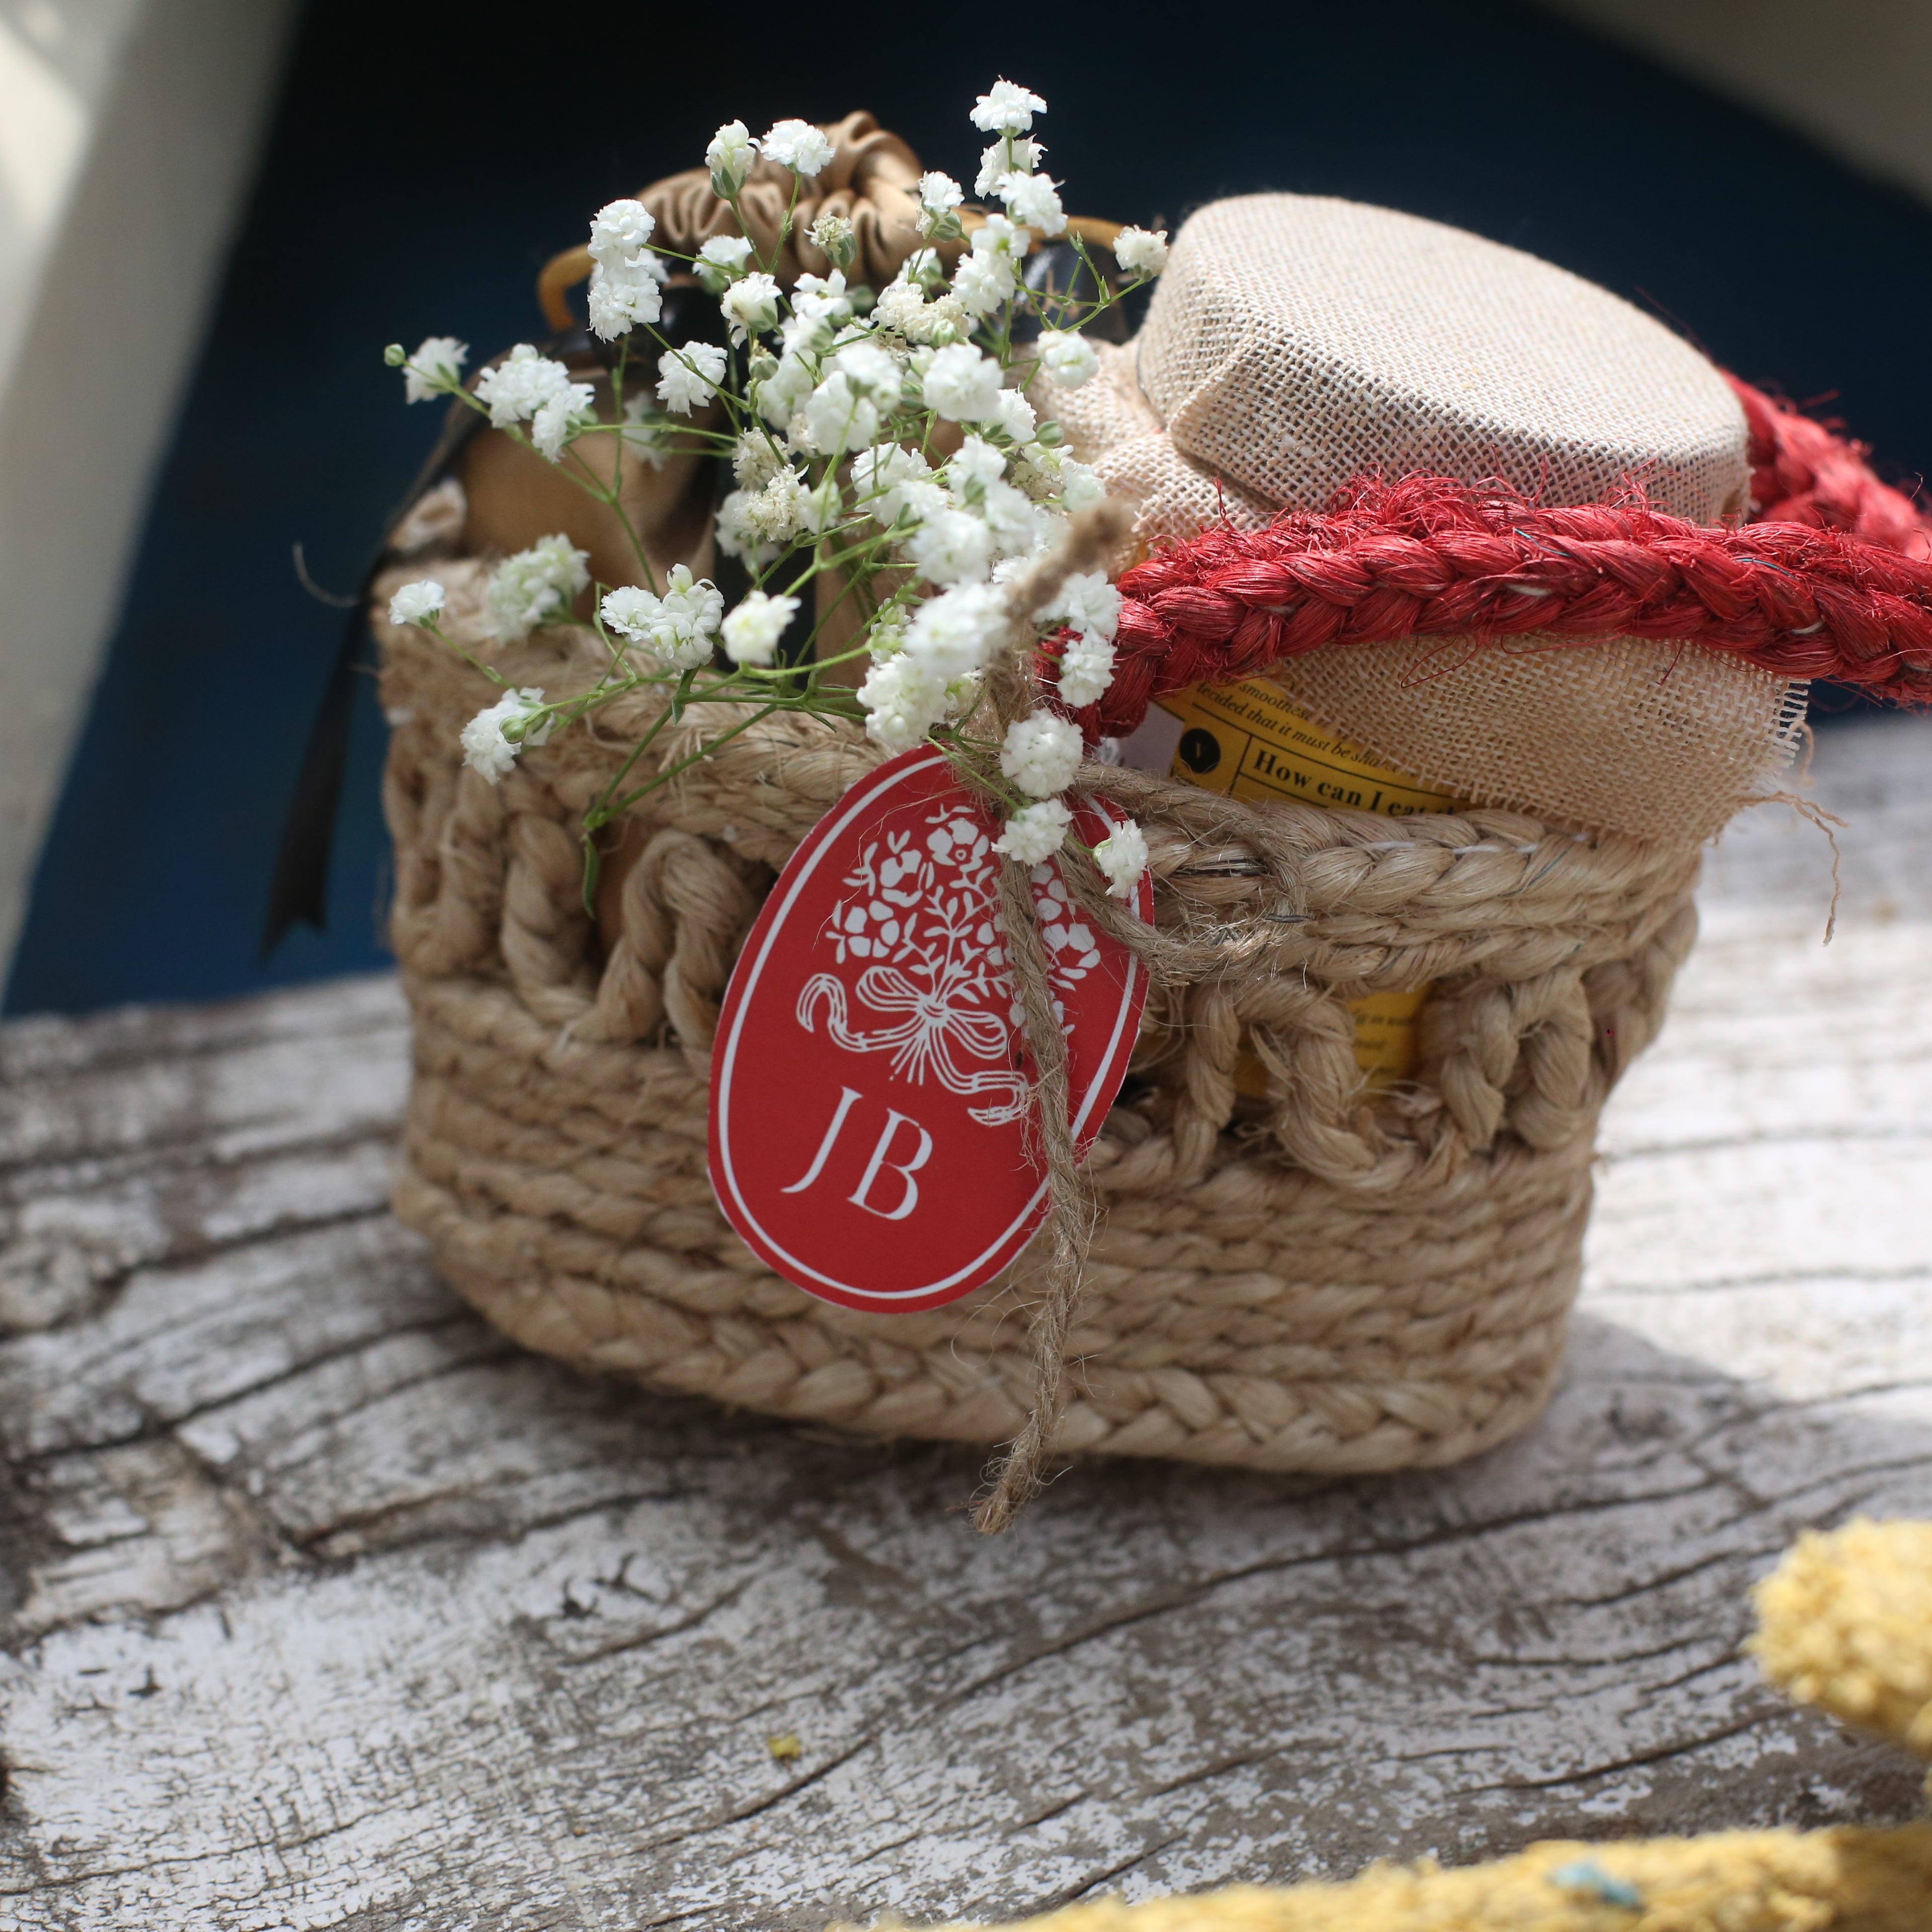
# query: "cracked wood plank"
x,y
326,1608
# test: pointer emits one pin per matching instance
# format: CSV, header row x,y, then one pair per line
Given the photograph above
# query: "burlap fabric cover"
x,y
1322,1281
1297,343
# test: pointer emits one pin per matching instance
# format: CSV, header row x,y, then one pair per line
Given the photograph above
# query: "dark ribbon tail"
x,y
298,892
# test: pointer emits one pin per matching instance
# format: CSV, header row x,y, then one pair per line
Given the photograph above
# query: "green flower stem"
x,y
437,630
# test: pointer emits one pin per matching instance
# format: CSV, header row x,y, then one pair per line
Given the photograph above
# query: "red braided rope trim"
x,y
1801,473
1427,556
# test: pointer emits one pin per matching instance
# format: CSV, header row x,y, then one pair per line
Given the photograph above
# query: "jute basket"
x,y
1323,1281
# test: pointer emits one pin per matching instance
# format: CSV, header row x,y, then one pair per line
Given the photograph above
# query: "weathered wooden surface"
x,y
327,1609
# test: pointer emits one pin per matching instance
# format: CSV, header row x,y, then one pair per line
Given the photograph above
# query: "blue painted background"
x,y
425,160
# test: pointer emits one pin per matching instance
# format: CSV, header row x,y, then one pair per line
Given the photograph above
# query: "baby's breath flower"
x,y
754,460
871,369
1140,252
821,299
521,385
560,419
689,376
881,475
1006,108
1034,200
721,261
1123,856
1035,832
940,197
903,308
679,626
1014,414
1041,753
953,633
989,275
1014,153
1087,601
939,193
726,253
619,232
730,157
962,385
630,610
435,368
536,586
1086,670
736,536
418,603
952,548
625,295
1079,484
903,700
923,500
752,631
487,745
980,286
975,464
780,393
526,385
833,235
838,420
627,284
798,145
757,524
1012,520
1070,360
997,236
751,306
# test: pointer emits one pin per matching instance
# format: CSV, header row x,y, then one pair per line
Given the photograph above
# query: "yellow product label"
x,y
1249,741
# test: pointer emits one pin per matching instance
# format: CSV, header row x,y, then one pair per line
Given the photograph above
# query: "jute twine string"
x,y
1070,1208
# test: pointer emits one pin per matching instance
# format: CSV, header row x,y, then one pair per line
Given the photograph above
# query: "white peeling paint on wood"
x,y
327,1608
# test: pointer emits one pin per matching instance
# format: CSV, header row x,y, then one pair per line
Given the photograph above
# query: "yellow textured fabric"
x,y
1846,1624
1845,1880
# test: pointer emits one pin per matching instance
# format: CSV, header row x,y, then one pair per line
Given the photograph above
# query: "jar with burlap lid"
x,y
1330,1278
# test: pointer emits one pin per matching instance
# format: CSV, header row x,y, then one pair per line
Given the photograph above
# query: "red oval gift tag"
x,y
870,1085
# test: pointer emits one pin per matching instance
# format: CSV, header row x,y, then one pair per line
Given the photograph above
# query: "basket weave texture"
x,y
1319,1282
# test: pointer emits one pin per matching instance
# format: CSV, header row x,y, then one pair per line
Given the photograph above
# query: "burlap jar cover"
x,y
1325,1280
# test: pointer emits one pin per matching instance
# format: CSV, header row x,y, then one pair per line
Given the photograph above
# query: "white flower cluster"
x,y
830,383
796,145
627,284
525,387
678,628
1041,754
537,586
753,630
487,744
435,369
419,603
883,448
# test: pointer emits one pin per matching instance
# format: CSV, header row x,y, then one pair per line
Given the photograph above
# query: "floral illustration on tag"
x,y
921,923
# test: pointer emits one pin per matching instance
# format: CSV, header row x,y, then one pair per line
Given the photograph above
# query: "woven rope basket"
x,y
1320,1281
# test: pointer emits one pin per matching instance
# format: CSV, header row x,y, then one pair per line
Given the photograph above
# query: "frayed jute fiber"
x,y
1326,1280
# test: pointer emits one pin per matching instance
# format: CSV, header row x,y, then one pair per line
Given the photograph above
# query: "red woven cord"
x,y
1833,580
1801,473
